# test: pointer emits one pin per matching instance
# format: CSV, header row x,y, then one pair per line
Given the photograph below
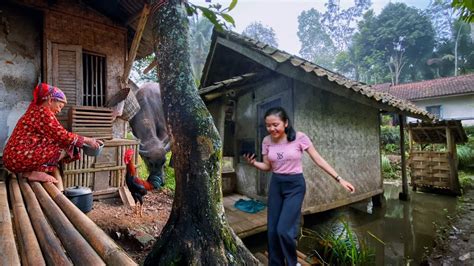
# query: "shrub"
x,y
465,156
390,135
340,248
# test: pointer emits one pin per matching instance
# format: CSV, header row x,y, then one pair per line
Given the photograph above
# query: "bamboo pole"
x,y
30,251
7,240
50,245
135,43
79,250
110,252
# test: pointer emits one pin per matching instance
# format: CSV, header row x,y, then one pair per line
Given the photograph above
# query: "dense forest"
x,y
400,44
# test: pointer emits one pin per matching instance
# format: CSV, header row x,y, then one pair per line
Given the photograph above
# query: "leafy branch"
x,y
466,9
217,16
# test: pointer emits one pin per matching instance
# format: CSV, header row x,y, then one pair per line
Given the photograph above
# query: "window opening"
x,y
94,69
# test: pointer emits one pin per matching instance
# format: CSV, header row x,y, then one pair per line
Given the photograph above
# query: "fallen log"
x,y
80,252
7,240
30,251
48,241
110,252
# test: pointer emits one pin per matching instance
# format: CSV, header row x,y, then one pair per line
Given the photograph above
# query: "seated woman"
x,y
39,142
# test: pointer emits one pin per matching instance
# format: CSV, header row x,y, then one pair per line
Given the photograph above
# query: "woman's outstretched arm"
x,y
319,161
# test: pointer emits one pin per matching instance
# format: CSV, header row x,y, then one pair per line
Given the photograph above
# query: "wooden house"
x,y
86,49
243,78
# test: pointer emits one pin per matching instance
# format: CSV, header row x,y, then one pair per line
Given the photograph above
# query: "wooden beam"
x,y
153,64
7,239
110,252
135,43
30,250
404,194
76,246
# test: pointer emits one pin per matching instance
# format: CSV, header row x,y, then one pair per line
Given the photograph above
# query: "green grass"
x,y
170,181
340,248
466,179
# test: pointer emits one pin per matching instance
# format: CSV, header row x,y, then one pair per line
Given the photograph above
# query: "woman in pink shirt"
x,y
282,152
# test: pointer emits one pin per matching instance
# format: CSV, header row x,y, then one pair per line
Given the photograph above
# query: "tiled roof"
x,y
430,88
281,57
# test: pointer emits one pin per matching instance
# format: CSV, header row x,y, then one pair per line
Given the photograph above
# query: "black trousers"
x,y
285,198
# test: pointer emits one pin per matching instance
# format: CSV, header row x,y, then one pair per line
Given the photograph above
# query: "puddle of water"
x,y
407,228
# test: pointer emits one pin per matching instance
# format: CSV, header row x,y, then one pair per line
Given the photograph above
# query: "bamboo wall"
x,y
102,172
430,168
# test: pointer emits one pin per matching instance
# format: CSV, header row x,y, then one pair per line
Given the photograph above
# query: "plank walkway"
x,y
40,226
244,224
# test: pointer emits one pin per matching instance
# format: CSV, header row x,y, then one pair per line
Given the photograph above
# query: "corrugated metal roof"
x,y
282,57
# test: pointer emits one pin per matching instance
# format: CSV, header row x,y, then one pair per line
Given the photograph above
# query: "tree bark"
x,y
197,232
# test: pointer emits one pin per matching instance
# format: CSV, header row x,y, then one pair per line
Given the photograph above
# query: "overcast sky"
x,y
282,15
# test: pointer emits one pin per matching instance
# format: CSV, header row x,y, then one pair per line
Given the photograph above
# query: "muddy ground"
x,y
134,233
454,244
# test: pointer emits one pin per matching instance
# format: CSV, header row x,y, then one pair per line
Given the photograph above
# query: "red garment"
x,y
37,141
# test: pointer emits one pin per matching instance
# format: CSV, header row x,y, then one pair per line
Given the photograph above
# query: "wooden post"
x,y
452,157
404,194
7,240
76,246
135,43
49,242
30,250
110,252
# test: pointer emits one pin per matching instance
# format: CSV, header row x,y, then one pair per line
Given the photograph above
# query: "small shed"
x,y
243,78
86,48
433,158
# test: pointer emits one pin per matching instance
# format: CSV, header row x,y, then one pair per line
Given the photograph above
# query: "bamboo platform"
x,y
40,226
244,224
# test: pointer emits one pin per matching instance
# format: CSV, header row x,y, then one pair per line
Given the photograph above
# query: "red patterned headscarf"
x,y
43,91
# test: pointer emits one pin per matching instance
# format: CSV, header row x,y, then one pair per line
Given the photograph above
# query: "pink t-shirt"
x,y
285,158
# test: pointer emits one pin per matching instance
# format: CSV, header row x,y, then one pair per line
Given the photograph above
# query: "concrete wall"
x,y
345,133
454,107
20,63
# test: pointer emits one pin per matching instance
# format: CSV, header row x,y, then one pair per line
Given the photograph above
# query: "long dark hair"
x,y
281,113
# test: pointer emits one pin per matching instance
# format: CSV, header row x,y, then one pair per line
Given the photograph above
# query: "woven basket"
x,y
131,106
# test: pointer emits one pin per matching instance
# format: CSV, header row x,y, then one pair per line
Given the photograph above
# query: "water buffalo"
x,y
149,126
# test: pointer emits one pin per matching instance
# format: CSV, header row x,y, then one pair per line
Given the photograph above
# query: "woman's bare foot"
x,y
39,176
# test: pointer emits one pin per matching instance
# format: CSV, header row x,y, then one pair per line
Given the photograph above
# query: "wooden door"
x,y
281,100
67,75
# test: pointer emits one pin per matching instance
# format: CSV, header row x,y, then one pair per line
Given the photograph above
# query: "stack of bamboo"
x,y
51,230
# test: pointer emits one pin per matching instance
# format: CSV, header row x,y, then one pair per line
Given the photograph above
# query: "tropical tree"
x,y
316,44
466,9
139,66
200,40
256,30
340,23
197,232
400,38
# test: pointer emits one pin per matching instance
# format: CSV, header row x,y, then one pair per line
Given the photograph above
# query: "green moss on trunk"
x,y
197,232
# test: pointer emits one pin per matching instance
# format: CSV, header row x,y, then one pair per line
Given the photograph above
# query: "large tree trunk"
x,y
197,232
